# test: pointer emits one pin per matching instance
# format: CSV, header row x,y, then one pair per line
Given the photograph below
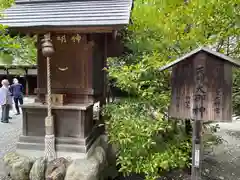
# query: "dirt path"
x,y
9,134
224,161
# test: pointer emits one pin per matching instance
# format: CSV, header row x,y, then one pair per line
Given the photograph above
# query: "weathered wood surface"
x,y
202,89
76,67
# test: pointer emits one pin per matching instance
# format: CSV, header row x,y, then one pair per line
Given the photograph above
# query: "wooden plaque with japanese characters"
x,y
202,89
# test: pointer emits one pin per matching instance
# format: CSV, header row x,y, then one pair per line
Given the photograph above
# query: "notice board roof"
x,y
60,13
198,50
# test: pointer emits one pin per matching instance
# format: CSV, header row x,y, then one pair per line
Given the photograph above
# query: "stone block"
x,y
38,170
18,166
56,169
87,169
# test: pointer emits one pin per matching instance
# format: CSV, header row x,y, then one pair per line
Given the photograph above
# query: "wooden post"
x,y
27,87
105,81
198,112
196,150
7,73
26,83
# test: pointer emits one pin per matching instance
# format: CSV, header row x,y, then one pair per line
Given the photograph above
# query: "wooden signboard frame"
x,y
202,87
202,91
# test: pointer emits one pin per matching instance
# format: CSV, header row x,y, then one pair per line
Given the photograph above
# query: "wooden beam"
x,y
41,30
18,66
76,91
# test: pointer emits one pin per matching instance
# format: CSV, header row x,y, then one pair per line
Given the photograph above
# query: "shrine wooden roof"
x,y
59,13
202,49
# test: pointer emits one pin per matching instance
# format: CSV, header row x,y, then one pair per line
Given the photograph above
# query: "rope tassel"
x,y
50,152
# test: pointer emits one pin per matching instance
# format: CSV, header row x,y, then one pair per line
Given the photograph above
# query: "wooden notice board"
x,y
202,88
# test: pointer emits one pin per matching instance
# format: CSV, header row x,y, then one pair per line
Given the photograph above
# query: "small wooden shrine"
x,y
82,34
202,86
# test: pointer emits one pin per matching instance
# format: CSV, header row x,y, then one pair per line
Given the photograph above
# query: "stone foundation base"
x,y
68,147
35,153
93,165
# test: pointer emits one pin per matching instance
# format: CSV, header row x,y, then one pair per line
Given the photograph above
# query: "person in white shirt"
x,y
5,101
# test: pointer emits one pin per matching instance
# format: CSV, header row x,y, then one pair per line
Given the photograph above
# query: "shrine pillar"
x,y
26,83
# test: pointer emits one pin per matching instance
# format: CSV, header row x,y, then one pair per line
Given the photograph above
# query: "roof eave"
x,y
66,29
217,54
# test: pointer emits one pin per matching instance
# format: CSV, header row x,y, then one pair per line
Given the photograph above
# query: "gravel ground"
x,y
222,164
9,134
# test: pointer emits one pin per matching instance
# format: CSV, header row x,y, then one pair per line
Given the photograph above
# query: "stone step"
x,y
71,148
62,140
30,146
59,147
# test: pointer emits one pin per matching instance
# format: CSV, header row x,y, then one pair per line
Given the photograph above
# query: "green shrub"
x,y
147,142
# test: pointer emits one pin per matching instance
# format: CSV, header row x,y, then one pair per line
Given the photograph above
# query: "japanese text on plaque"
x,y
200,92
75,38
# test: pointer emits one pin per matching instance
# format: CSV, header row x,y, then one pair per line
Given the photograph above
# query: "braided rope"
x,y
49,93
50,152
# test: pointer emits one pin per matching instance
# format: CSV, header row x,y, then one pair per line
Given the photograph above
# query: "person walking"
x,y
5,101
17,92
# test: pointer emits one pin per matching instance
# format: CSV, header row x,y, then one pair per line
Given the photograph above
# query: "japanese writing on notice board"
x,y
200,92
218,94
201,89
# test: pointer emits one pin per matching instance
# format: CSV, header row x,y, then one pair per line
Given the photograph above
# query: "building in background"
x,y
26,74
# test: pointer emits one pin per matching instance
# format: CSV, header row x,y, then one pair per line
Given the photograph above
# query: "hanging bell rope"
x,y
50,152
49,93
